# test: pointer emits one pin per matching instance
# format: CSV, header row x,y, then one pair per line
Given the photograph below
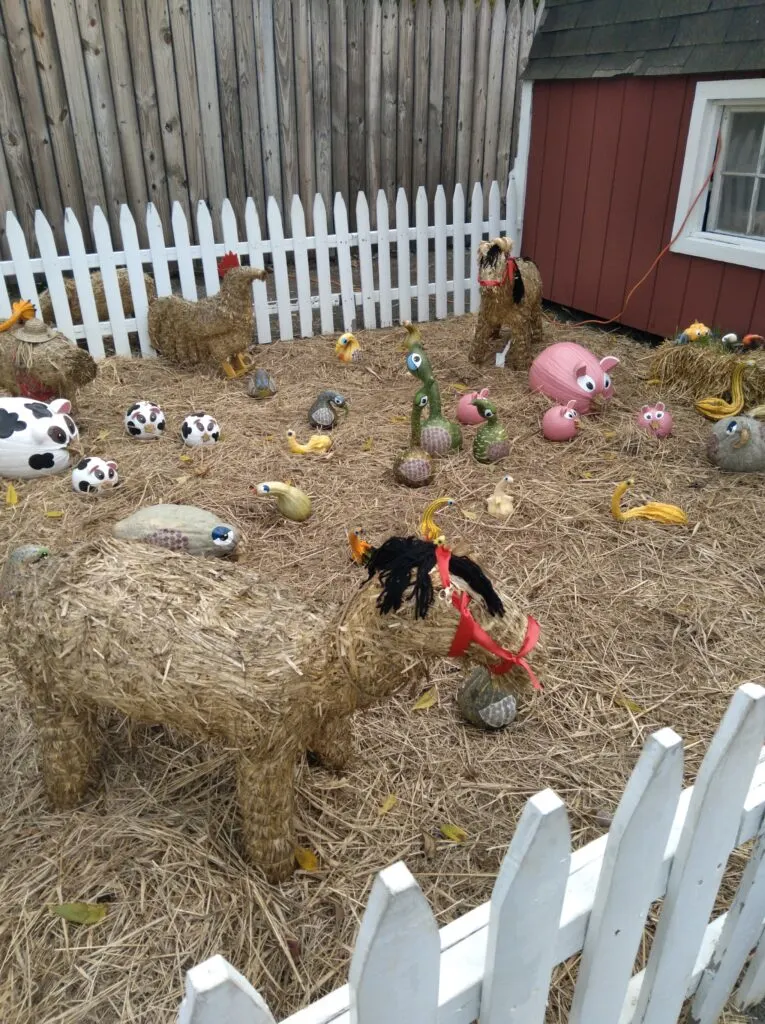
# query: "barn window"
x,y
727,220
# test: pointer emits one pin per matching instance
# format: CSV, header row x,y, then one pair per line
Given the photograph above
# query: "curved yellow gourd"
x,y
656,510
428,526
717,408
22,310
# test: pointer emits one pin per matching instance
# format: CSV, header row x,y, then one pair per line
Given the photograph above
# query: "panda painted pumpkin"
x,y
200,429
92,475
34,437
145,421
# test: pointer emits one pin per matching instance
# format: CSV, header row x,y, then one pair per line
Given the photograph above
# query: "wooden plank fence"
x,y
495,962
321,282
133,102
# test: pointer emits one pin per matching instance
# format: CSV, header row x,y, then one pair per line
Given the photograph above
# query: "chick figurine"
x,y
491,441
347,348
293,503
500,504
261,385
323,412
317,444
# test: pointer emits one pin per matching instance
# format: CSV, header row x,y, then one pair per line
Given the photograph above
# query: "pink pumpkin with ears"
x,y
656,418
467,414
567,372
561,423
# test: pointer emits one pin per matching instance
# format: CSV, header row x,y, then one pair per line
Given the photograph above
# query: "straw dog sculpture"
x,y
221,653
511,296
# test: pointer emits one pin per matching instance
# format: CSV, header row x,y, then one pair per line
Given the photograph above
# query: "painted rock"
x,y
485,702
180,528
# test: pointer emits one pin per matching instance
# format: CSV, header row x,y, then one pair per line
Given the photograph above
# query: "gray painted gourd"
x,y
485,702
179,528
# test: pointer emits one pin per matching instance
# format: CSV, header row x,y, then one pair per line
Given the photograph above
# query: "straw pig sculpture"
x,y
97,283
221,653
511,296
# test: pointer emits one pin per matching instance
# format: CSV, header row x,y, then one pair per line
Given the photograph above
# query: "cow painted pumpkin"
x,y
567,372
145,421
92,475
199,430
34,437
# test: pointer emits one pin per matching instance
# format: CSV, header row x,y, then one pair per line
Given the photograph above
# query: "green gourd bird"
x,y
414,467
438,435
491,441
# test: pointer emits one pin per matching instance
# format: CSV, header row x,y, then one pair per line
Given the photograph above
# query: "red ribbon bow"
x,y
468,630
510,266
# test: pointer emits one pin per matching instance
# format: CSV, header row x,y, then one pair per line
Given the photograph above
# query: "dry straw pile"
x,y
643,625
699,371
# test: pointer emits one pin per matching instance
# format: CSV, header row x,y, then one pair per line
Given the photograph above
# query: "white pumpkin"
x,y
200,429
92,475
145,421
34,437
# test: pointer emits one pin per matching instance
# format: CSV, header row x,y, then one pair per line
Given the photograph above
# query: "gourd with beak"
x,y
737,445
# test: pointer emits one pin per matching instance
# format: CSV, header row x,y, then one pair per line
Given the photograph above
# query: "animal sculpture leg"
x,y
266,795
333,744
520,347
485,332
68,750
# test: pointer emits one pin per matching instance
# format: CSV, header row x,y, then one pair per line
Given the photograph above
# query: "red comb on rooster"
x,y
226,262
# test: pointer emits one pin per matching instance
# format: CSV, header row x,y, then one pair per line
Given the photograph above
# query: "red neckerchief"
x,y
468,630
510,268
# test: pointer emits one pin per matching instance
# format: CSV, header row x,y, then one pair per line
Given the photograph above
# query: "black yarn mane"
x,y
404,563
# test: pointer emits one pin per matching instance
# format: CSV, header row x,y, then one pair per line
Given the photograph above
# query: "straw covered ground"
x,y
644,626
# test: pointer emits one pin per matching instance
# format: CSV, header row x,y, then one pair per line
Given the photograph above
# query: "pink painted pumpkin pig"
x,y
656,418
467,414
568,372
561,423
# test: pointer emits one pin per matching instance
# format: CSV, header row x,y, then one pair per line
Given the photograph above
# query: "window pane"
x,y
735,200
744,138
759,215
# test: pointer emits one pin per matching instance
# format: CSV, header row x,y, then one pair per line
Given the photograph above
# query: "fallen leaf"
x,y
459,387
473,516
367,446
79,913
587,475
185,458
54,515
306,859
609,435
630,705
102,435
388,803
427,700
654,380
454,833
399,419
181,479
428,845
11,496
295,948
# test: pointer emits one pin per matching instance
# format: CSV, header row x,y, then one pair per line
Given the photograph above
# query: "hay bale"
x,y
39,362
97,283
698,371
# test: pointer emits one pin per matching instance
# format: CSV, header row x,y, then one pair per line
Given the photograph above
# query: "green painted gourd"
x,y
484,700
179,528
414,467
438,435
491,442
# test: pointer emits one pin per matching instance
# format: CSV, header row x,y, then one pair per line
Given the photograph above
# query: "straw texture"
x,y
96,280
40,363
699,371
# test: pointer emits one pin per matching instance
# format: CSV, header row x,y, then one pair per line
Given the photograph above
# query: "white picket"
x,y
394,970
281,277
185,261
708,837
343,244
365,262
439,221
103,241
229,228
302,276
81,272
476,234
134,264
206,235
512,221
17,245
322,265
458,249
631,865
54,278
525,912
495,211
383,260
743,925
751,990
215,993
402,257
421,228
160,266
259,288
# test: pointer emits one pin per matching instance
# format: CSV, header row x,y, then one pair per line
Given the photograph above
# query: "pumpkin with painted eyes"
x,y
561,423
145,421
655,418
737,445
200,430
568,372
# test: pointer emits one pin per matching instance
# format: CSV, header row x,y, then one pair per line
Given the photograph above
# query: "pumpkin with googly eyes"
x,y
145,421
92,475
561,423
655,418
568,372
737,445
200,430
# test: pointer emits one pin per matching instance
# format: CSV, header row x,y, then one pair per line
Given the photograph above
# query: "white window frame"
x,y
706,118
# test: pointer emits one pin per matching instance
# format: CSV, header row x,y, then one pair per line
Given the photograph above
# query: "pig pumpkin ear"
x,y
607,362
112,465
580,370
660,406
645,408
571,404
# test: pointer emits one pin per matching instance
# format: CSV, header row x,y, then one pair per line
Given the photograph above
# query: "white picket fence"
x,y
373,293
495,962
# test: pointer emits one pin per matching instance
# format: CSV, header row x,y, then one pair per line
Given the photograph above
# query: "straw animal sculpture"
x,y
511,296
38,362
697,371
97,283
220,653
211,330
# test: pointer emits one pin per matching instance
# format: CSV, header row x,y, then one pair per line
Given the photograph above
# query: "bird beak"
x,y
205,437
744,439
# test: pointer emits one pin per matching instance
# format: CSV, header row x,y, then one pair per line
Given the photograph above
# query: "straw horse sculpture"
x,y
222,654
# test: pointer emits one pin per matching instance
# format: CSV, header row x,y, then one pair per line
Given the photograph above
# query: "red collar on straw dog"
x,y
468,630
510,268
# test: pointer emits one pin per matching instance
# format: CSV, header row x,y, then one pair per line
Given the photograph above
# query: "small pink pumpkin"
x,y
467,414
561,423
568,372
656,418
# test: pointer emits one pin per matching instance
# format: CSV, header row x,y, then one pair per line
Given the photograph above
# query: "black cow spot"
x,y
85,486
83,463
161,425
185,429
10,423
38,409
132,409
42,460
57,434
197,415
215,435
133,429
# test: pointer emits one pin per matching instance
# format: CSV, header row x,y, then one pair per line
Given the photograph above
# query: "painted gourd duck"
x,y
438,435
293,503
414,467
485,700
261,384
323,412
491,441
347,348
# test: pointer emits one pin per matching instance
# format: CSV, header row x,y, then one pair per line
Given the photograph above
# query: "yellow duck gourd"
x,y
658,511
717,408
317,444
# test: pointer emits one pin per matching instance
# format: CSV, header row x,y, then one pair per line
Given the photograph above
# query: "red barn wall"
x,y
604,171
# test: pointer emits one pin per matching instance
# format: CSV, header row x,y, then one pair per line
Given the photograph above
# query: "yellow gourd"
x,y
428,526
656,510
717,408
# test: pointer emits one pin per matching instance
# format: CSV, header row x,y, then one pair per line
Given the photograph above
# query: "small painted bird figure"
x,y
737,444
361,550
347,348
261,385
323,412
491,441
293,503
317,444
429,528
500,504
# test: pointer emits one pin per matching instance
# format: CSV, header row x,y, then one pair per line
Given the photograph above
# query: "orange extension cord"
x,y
664,251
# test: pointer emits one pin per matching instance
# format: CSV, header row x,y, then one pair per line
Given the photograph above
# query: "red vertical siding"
x,y
604,171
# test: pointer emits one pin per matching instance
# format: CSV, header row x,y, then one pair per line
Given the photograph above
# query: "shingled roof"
x,y
603,38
